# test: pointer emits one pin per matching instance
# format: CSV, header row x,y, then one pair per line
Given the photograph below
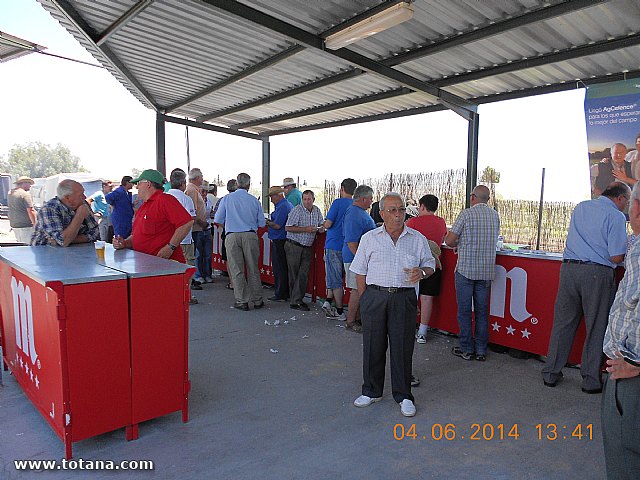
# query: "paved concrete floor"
x,y
255,414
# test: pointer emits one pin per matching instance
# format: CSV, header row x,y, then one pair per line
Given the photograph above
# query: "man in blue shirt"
x,y
122,211
596,243
242,215
333,264
100,208
356,223
278,236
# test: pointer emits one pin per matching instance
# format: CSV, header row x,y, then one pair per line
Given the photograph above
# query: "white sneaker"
x,y
364,401
326,306
407,408
342,317
421,338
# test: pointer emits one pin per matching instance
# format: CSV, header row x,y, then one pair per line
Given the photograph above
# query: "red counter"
x,y
522,295
521,305
93,346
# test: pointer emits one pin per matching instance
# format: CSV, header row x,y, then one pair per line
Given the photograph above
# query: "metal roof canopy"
x,y
257,68
13,47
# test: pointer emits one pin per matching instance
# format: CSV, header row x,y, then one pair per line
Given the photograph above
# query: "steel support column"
x,y
472,156
161,162
266,172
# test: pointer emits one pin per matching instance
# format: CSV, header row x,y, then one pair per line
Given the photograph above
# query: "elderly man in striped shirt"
x,y
303,222
475,233
389,263
620,406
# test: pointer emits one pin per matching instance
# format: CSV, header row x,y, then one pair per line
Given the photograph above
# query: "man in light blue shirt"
x,y
242,215
101,210
596,243
355,224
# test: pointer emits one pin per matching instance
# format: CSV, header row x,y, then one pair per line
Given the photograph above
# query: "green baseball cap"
x,y
151,175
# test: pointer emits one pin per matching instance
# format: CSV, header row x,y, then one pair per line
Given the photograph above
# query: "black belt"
x,y
582,262
298,243
246,231
391,289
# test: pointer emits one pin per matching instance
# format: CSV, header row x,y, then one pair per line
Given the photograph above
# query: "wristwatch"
x,y
423,273
172,246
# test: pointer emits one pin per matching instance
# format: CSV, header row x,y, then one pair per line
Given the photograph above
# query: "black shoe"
x,y
258,306
195,285
276,299
457,351
592,391
481,358
300,306
552,384
241,306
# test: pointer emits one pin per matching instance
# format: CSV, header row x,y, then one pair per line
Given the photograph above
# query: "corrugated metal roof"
x,y
13,47
189,58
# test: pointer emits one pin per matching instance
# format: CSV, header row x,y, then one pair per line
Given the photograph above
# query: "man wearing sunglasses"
x,y
474,233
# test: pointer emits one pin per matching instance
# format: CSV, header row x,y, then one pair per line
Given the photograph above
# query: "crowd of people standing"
x,y
388,266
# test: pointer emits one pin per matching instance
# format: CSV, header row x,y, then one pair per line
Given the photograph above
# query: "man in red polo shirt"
x,y
161,222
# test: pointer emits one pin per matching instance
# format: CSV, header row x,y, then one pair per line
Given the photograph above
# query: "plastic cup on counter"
x,y
100,248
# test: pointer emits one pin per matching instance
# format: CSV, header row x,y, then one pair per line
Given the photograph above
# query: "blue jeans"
x,y
478,291
204,249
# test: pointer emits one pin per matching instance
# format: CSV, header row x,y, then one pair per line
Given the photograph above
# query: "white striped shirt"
x,y
383,262
623,331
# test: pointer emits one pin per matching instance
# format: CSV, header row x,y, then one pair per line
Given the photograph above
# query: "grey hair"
x,y
65,188
362,191
195,173
177,178
244,180
635,191
390,195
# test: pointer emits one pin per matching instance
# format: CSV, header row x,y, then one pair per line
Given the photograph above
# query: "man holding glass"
x,y
389,263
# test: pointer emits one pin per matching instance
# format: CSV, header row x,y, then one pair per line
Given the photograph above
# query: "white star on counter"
x,y
510,330
17,358
262,270
21,364
26,368
525,333
496,327
37,383
31,375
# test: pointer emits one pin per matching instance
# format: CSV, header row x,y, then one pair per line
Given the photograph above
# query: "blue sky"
x,y
57,101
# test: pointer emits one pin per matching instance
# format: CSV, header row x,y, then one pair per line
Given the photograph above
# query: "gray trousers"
x,y
586,290
298,265
23,235
389,316
621,428
243,251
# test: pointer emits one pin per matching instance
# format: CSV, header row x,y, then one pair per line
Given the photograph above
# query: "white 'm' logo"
x,y
23,316
518,298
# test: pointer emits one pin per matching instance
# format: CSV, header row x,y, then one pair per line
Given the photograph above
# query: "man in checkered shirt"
x,y
474,233
66,218
303,222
